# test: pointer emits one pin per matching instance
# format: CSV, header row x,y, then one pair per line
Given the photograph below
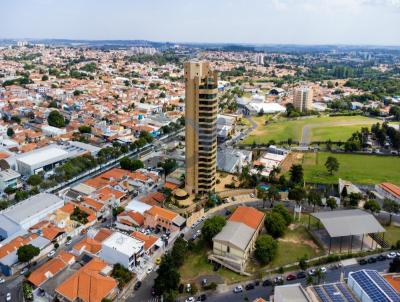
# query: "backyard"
x,y
357,168
313,128
392,234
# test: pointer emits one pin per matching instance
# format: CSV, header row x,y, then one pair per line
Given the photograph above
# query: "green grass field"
x,y
392,234
361,169
325,128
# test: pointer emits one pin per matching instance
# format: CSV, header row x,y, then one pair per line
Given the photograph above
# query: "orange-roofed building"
x,y
170,185
389,190
394,280
129,220
249,216
163,219
89,284
236,241
87,245
51,268
149,241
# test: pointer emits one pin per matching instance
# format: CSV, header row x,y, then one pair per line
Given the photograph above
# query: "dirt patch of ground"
x,y
225,179
291,159
306,242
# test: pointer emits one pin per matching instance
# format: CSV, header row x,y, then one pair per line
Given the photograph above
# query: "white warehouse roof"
x,y
44,154
123,243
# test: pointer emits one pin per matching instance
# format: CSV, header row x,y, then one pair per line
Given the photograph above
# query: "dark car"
x,y
257,283
202,297
301,275
138,285
362,262
371,260
267,282
249,286
291,277
153,291
381,258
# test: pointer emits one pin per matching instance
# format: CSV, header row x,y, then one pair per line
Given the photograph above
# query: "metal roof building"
x,y
348,222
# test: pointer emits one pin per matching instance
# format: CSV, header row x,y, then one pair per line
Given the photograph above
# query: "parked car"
x,y
158,261
2,280
267,282
371,260
68,242
278,280
362,262
381,258
51,253
8,297
202,297
190,299
238,289
252,195
301,275
24,271
291,277
391,255
311,272
149,270
138,285
322,269
204,282
249,286
188,288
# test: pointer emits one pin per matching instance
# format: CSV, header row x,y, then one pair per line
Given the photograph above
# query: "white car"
x,y
322,269
8,297
2,280
24,271
51,254
398,254
190,299
149,270
238,289
198,232
68,242
311,272
391,255
252,195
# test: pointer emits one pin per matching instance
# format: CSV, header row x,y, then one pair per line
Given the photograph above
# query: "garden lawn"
x,y
392,234
283,129
357,168
196,264
335,133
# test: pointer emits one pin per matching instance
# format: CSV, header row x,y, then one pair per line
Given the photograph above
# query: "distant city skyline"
x,y
351,22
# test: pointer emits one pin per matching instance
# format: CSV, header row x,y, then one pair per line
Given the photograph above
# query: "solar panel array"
x,y
384,285
375,286
345,292
335,292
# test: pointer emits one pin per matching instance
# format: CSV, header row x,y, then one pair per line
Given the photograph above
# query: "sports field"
x,y
360,169
308,130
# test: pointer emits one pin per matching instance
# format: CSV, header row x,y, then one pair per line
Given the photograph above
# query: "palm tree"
x,y
273,194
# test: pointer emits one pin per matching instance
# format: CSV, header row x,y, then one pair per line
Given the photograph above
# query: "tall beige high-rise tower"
x,y
303,98
201,107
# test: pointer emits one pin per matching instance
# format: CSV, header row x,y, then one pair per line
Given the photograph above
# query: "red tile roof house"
x,y
129,220
163,219
389,190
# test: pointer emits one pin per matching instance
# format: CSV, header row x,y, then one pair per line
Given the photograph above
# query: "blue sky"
x,y
233,21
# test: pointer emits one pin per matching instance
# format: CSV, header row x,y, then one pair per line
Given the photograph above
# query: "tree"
x,y
53,104
10,132
169,165
303,263
331,203
273,194
179,251
391,207
372,206
168,276
35,180
280,209
131,164
56,119
275,224
297,194
212,227
265,249
394,266
27,252
354,199
297,174
332,164
45,77
85,129
314,198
